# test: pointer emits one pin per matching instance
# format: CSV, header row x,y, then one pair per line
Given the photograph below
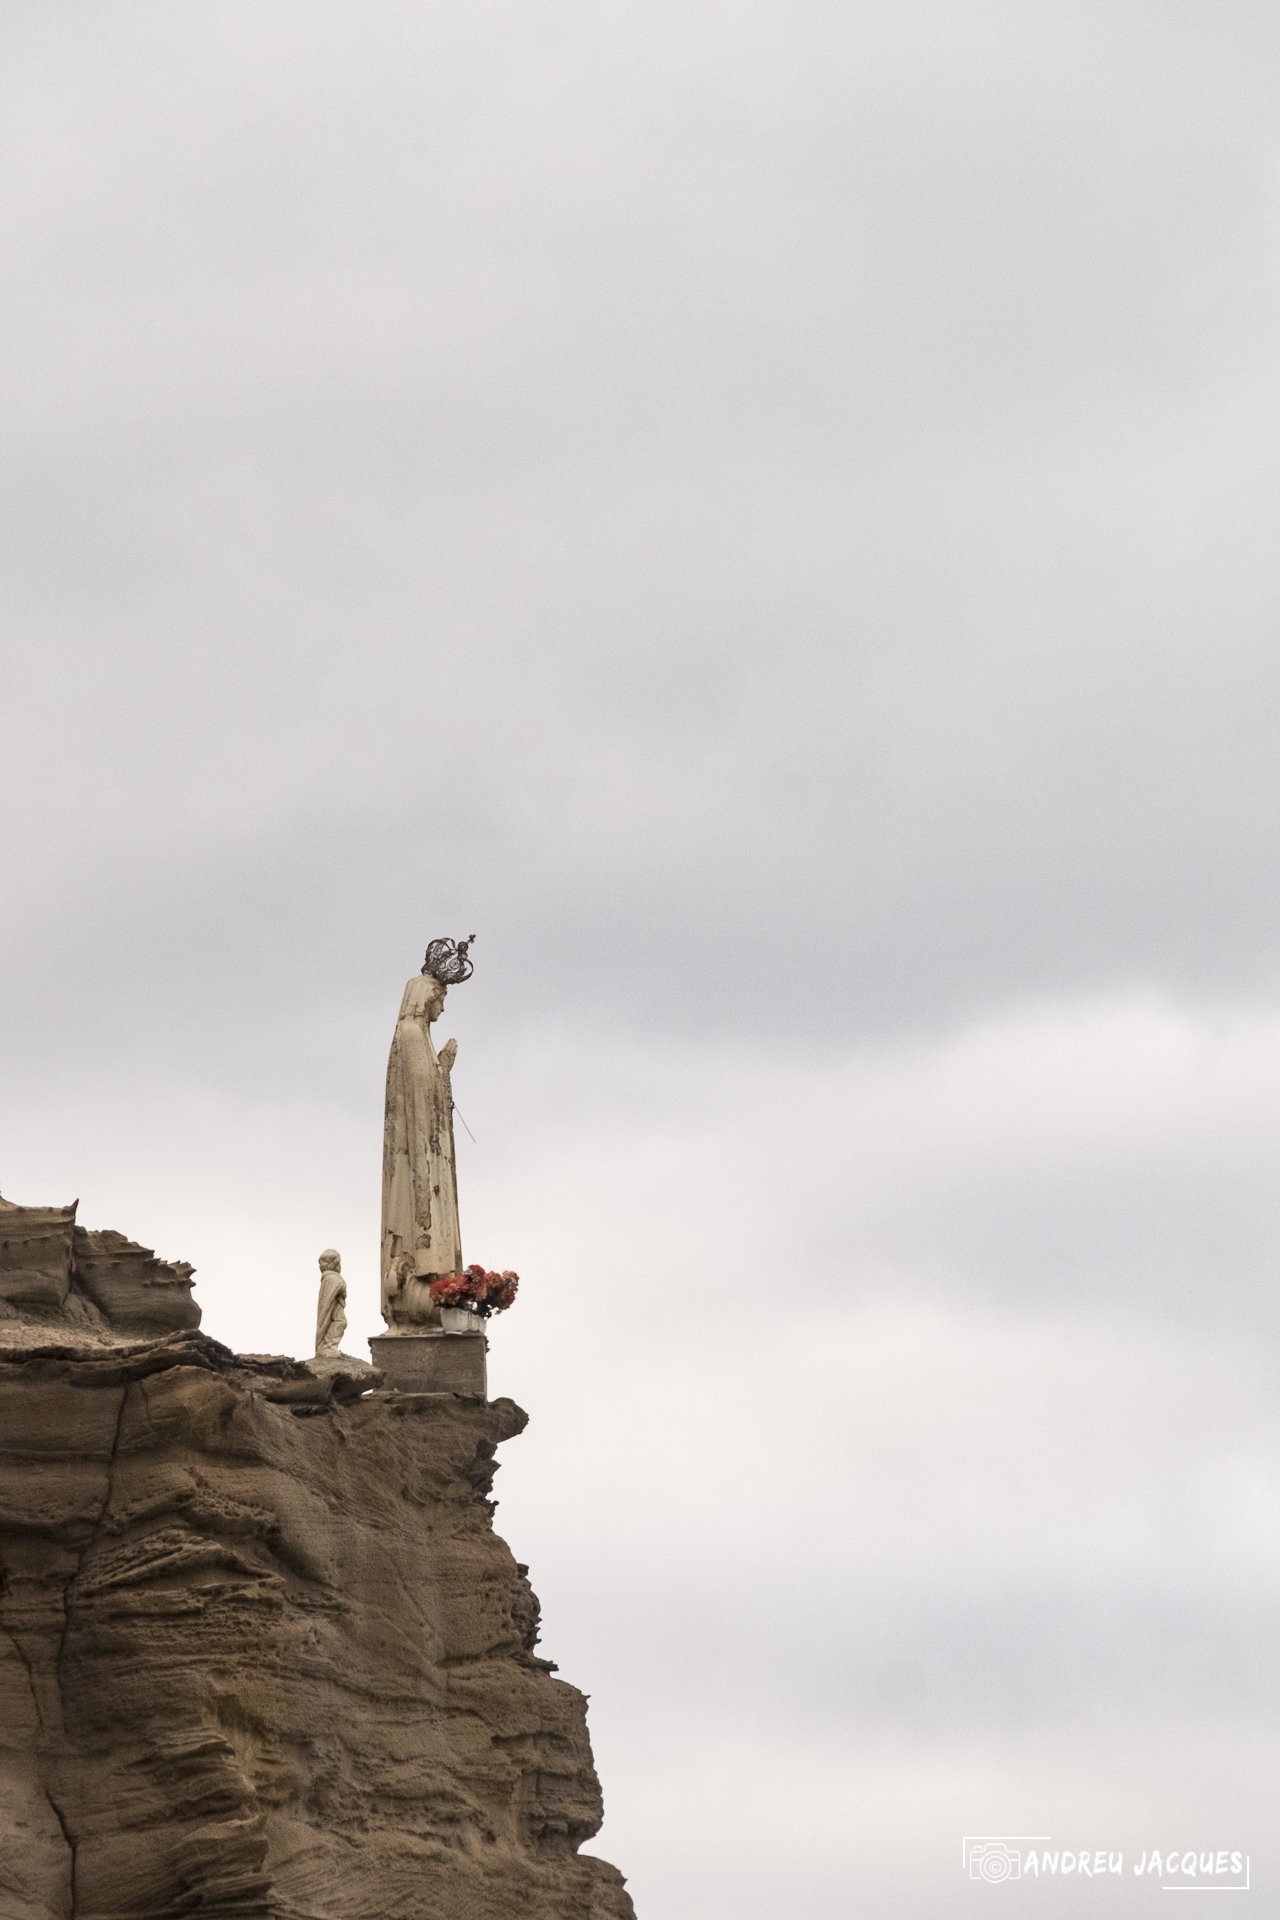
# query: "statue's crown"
x,y
447,961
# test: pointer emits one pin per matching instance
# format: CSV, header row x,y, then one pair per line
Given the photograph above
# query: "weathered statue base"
x,y
433,1362
329,1363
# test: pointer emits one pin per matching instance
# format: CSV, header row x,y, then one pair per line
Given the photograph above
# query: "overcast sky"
x,y
766,514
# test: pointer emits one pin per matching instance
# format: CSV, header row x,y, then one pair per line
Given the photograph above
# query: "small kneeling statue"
x,y
331,1315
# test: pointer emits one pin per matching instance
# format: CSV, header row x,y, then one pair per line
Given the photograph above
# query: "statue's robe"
x,y
420,1238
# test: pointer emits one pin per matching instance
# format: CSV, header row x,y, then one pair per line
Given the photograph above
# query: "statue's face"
x,y
435,1005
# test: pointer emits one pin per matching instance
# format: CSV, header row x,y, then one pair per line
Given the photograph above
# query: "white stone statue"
x,y
331,1314
420,1237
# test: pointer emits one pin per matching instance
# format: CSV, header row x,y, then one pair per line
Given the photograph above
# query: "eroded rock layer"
x,y
261,1652
97,1286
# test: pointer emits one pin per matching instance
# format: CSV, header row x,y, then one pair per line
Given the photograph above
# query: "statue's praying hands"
x,y
448,1054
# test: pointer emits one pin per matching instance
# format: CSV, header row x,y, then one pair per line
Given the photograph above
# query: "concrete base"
x,y
434,1362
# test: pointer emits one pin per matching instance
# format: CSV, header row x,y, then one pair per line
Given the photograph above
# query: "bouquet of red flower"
x,y
482,1293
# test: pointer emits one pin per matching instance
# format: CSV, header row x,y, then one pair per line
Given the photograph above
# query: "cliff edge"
x,y
261,1651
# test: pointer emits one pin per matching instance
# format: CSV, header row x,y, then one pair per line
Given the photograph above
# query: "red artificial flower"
x,y
491,1292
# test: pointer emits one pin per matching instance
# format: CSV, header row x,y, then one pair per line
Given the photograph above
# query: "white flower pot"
x,y
460,1320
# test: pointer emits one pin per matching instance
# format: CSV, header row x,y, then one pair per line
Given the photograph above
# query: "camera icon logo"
x,y
994,1862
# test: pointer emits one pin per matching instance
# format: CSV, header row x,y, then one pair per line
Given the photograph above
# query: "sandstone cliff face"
x,y
97,1285
261,1652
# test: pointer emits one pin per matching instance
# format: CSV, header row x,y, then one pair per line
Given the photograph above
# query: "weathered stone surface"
x,y
347,1363
99,1285
135,1293
35,1260
261,1652
433,1362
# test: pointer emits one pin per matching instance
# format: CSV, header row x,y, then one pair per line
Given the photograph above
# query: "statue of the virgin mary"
x,y
420,1237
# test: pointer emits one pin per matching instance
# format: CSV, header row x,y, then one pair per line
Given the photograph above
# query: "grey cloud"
x,y
696,485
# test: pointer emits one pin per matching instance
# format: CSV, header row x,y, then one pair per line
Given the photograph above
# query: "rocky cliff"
x,y
261,1652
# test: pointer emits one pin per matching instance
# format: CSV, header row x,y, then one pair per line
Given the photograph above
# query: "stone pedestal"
x,y
433,1362
325,1363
